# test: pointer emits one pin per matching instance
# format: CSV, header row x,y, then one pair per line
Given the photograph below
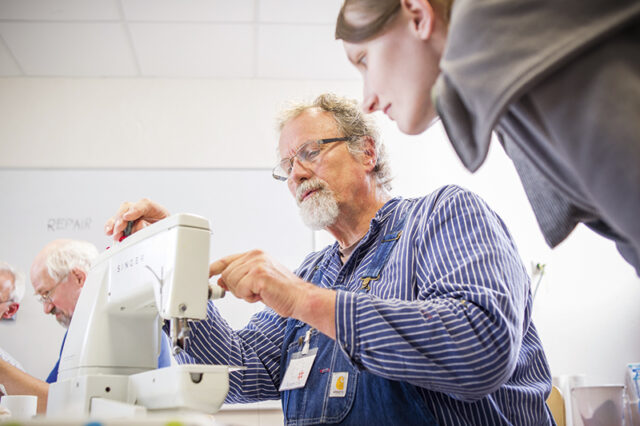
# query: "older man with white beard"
x,y
418,314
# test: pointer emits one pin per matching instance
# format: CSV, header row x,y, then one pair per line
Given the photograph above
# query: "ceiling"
x,y
239,39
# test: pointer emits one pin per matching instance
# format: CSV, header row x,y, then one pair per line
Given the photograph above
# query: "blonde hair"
x,y
375,15
351,122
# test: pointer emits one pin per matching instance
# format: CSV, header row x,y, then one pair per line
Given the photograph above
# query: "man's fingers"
x,y
217,267
253,298
113,224
145,209
141,209
138,210
139,225
108,226
142,213
222,284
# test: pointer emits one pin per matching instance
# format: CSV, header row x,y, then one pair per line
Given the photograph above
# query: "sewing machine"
x,y
109,362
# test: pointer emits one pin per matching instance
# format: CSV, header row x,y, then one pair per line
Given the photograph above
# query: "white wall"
x,y
585,308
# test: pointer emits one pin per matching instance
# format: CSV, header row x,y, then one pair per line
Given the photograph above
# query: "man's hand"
x,y
143,213
254,276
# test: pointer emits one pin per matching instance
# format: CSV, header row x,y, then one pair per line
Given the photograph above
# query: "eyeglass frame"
x,y
47,296
294,156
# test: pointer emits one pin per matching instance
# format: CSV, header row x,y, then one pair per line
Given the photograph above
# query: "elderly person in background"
x,y
11,292
420,312
58,275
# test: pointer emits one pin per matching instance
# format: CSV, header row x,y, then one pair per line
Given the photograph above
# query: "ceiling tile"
x,y
312,53
70,49
195,50
189,10
60,10
299,11
8,67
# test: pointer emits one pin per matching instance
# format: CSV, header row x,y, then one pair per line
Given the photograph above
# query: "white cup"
x,y
22,407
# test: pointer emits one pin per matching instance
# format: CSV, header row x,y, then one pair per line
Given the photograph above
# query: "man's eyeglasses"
x,y
47,296
306,154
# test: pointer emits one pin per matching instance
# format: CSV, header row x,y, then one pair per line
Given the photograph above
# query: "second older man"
x,y
58,274
419,313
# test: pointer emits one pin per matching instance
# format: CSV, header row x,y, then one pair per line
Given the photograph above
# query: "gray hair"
x,y
351,122
18,282
70,255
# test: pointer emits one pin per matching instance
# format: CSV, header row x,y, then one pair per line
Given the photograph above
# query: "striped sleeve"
x,y
462,333
257,346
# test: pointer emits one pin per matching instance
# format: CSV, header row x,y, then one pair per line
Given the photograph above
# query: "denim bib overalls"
x,y
368,399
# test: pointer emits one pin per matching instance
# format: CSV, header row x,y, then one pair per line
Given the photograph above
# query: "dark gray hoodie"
x,y
559,82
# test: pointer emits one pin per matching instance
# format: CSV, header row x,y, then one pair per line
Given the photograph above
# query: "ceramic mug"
x,y
22,407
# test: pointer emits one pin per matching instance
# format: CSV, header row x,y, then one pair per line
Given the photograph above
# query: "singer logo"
x,y
130,263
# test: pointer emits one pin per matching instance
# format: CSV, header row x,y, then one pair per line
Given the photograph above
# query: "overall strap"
x,y
380,257
314,276
317,270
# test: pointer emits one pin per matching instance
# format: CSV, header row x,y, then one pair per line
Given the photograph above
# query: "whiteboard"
x,y
246,208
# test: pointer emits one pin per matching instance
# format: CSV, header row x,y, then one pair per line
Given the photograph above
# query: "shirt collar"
x,y
377,222
385,211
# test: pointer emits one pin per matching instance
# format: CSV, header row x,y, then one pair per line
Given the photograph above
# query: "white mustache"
x,y
309,185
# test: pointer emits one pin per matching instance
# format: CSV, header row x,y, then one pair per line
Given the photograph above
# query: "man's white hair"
x,y
18,282
352,122
70,255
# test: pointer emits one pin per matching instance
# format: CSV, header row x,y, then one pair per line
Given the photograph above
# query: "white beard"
x,y
64,321
320,209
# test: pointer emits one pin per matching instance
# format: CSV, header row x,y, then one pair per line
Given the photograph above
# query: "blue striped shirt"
x,y
451,314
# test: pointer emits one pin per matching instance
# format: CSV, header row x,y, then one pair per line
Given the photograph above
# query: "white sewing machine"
x,y
109,361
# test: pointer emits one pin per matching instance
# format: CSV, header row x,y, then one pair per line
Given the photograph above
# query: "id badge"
x,y
298,370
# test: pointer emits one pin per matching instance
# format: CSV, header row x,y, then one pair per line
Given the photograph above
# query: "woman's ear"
x,y
421,17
